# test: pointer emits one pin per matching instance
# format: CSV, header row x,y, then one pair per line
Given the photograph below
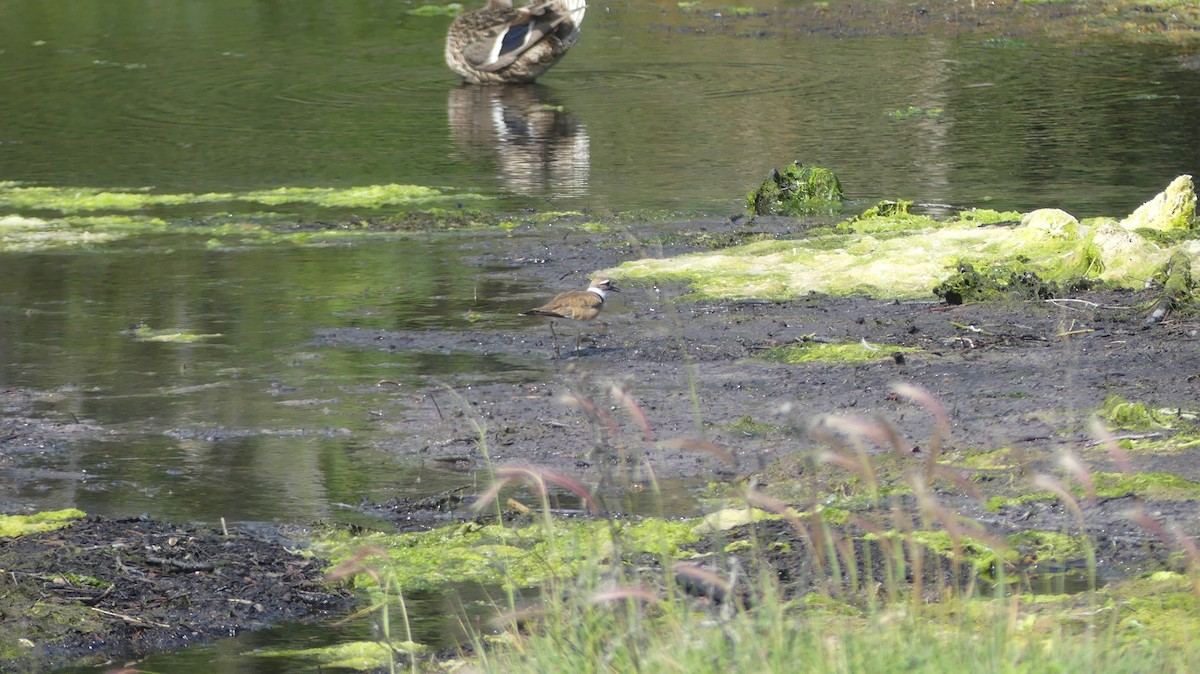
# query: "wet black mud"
x,y
107,590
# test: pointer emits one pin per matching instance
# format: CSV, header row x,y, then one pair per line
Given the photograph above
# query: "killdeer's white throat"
x,y
576,306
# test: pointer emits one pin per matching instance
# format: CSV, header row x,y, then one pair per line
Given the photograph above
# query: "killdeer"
x,y
576,306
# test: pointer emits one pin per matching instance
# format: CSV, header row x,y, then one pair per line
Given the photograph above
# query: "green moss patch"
x,y
969,551
1151,486
1120,413
1176,443
747,426
1157,486
16,525
1162,607
997,503
1045,546
498,555
995,459
809,352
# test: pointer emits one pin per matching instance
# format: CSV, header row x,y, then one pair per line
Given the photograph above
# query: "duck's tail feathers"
x,y
568,10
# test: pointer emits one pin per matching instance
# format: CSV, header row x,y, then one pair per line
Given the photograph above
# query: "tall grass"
x,y
878,595
780,636
900,582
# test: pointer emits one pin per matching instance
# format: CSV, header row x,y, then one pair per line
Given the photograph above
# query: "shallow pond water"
x,y
251,422
658,108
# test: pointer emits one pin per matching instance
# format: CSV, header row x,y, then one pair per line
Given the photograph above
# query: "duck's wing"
x,y
500,47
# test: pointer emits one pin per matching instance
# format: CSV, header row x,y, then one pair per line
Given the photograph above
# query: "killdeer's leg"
x,y
554,339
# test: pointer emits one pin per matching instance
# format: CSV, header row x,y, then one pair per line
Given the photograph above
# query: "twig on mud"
x,y
181,564
1059,302
1128,436
437,407
1069,333
129,618
972,328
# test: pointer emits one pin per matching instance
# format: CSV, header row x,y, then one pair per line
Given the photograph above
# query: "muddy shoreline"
x,y
1022,376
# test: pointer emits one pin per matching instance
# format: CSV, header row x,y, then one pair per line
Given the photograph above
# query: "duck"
x,y
503,44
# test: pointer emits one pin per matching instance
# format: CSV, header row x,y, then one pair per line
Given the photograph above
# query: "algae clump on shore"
x,y
797,190
889,253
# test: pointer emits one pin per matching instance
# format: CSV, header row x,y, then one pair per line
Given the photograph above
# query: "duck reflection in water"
x,y
540,149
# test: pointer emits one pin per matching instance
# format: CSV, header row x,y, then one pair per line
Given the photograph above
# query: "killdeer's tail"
x,y
543,312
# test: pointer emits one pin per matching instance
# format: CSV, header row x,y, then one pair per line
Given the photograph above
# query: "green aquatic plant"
x,y
913,111
368,655
144,333
77,199
796,190
450,9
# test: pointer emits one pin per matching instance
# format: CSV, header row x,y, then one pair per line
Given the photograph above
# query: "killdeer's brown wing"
x,y
576,305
